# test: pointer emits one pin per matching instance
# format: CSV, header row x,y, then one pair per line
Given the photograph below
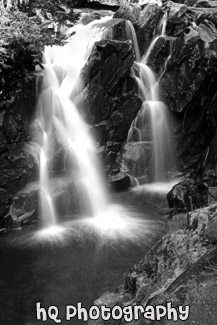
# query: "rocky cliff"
x,y
184,59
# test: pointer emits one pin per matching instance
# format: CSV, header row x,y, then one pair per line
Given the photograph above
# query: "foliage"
x,y
26,27
40,23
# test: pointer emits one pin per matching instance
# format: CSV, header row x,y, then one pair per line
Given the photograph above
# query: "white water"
x,y
155,39
59,123
150,132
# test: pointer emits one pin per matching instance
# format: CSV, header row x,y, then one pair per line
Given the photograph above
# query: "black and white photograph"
x,y
108,162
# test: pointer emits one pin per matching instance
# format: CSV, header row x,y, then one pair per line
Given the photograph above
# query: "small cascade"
x,y
129,33
62,136
132,35
60,124
162,32
148,149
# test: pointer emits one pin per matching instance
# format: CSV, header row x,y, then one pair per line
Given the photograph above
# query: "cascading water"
x,y
149,140
62,136
60,123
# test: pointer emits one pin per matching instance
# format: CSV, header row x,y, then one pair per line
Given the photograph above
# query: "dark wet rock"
x,y
177,18
129,12
16,165
146,21
17,117
185,73
3,143
200,15
17,169
159,55
187,195
210,175
18,114
148,26
80,3
120,182
108,94
108,64
188,88
5,200
24,208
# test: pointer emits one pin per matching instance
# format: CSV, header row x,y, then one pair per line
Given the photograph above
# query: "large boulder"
x,y
188,195
107,97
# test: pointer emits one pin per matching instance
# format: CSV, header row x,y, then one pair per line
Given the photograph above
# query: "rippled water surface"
x,y
78,264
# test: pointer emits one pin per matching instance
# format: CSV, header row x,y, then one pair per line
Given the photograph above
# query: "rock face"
x,y
185,59
146,21
108,96
169,271
17,166
187,81
192,69
187,195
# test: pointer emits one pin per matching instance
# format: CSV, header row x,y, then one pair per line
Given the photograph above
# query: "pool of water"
x,y
77,265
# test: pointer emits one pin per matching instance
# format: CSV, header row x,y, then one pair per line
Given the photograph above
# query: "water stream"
x,y
59,123
149,143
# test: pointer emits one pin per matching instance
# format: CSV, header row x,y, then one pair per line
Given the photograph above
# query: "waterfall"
x,y
62,135
60,124
149,139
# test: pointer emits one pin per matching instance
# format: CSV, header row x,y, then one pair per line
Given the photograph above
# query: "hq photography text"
x,y
128,313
